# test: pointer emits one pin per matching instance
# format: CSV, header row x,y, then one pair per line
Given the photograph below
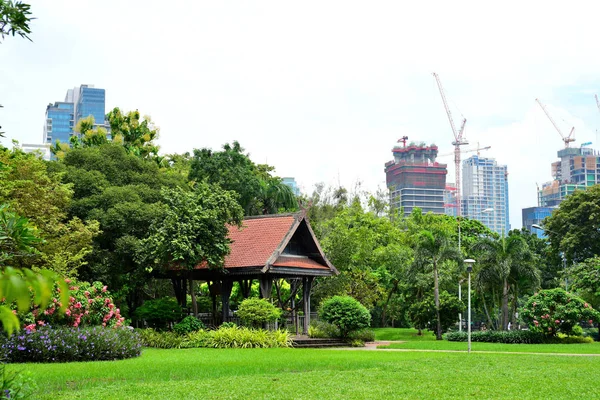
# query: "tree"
x,y
38,194
137,135
574,228
15,17
505,263
258,191
424,312
585,280
434,248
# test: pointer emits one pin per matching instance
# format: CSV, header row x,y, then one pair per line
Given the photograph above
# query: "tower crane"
x,y
477,149
458,141
566,139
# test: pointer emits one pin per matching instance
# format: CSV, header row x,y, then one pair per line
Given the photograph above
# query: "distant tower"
x,y
415,179
485,193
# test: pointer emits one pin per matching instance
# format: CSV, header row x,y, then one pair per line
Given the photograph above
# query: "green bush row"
x,y
64,344
514,337
224,337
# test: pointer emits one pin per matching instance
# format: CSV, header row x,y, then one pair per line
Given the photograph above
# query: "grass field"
x,y
428,342
319,374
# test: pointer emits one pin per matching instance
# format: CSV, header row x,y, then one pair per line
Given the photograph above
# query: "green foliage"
x,y
423,313
255,312
17,236
16,384
174,340
187,325
322,329
258,191
554,311
345,313
242,337
136,134
65,344
15,17
574,228
193,228
584,278
159,313
364,335
516,337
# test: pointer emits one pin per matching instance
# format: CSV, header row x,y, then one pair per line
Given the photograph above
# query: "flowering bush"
x,y
60,344
556,311
89,304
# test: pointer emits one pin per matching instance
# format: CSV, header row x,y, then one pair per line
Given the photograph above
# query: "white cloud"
x,y
320,89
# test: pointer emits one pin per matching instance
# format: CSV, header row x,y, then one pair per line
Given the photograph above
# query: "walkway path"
x,y
373,346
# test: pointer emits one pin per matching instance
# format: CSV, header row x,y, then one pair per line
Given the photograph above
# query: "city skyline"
x,y
256,75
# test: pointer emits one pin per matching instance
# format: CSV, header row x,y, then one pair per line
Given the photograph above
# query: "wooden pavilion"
x,y
268,249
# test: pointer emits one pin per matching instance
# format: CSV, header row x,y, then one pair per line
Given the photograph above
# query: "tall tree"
x,y
434,248
505,263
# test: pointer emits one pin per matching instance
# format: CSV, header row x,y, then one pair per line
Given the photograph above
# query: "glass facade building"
x,y
535,216
60,121
485,193
91,101
291,182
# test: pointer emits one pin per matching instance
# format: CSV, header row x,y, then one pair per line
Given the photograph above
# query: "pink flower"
x,y
68,313
534,304
591,322
535,322
105,288
30,328
78,305
14,312
76,324
111,306
586,305
86,293
68,280
549,329
72,299
104,324
41,323
557,321
90,301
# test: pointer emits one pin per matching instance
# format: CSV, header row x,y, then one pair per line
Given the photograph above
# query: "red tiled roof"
x,y
298,262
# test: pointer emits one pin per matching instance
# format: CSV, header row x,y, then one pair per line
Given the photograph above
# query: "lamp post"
x,y
469,263
562,254
487,210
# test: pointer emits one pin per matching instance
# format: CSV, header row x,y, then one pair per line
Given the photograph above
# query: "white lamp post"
x,y
487,210
469,263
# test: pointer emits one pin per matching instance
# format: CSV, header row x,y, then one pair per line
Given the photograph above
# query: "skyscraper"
x,y
485,193
415,179
62,117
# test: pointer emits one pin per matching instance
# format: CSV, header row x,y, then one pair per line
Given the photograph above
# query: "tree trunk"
x,y
505,305
436,295
385,306
487,314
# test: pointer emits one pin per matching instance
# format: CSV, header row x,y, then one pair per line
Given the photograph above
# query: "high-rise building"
x,y
415,179
80,102
535,216
450,200
485,193
291,182
578,168
43,150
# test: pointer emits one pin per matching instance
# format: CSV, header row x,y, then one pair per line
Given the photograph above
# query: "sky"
x,y
322,90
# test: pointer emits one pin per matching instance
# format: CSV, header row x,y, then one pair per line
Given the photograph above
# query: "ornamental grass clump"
x,y
64,344
242,337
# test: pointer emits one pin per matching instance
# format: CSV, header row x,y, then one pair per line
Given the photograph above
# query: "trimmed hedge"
x,y
64,344
514,337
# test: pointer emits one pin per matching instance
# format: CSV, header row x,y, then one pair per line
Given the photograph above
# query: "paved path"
x,y
373,346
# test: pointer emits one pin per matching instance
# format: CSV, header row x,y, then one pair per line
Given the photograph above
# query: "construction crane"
x,y
458,141
403,140
477,149
567,139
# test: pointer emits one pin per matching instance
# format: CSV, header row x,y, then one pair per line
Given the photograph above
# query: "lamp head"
x,y
536,226
469,262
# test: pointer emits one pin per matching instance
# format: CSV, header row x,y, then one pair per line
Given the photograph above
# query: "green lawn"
x,y
320,374
428,342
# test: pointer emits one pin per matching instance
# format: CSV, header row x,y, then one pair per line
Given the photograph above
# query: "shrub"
x,y
357,343
159,313
242,337
513,337
173,340
89,305
188,324
229,325
364,335
255,312
555,311
322,329
345,313
63,344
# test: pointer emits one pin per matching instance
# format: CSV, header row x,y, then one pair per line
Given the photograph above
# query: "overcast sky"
x,y
321,90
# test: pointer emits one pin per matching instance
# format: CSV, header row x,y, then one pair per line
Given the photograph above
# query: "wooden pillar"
x,y
183,293
266,286
306,289
246,287
194,303
226,286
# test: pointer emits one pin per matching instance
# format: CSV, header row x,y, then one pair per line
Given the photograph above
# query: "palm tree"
x,y
506,263
434,247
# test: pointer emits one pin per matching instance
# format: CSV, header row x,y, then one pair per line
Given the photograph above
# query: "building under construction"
x,y
415,179
578,168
